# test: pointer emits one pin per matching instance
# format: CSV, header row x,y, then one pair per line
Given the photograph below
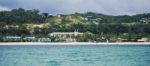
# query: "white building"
x,y
70,40
88,18
12,38
145,20
65,34
44,40
143,40
30,39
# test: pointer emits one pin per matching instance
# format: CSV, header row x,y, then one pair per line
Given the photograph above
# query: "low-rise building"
x,y
121,40
113,40
44,40
96,21
70,40
65,34
29,39
143,40
12,38
102,39
145,20
93,20
88,18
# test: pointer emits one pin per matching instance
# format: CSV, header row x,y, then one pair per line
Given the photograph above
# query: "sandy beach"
x,y
74,43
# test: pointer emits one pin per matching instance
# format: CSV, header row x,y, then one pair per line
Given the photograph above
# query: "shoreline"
x,y
74,43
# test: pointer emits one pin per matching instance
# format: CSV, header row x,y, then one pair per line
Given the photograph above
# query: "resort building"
x,y
143,40
30,39
12,38
44,40
65,34
70,40
121,40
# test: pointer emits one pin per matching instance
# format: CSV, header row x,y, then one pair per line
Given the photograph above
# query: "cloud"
x,y
4,8
112,7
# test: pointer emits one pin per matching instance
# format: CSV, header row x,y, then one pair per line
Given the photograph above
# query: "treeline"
x,y
115,19
128,19
105,28
23,31
20,16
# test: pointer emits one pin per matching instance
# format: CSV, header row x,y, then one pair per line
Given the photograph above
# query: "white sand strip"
x,y
74,43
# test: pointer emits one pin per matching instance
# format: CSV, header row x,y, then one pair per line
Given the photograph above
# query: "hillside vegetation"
x,y
20,22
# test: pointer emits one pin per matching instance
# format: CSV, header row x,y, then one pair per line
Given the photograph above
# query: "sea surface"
x,y
75,55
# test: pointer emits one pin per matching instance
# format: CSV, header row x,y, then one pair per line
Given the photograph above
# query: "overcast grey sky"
x,y
111,7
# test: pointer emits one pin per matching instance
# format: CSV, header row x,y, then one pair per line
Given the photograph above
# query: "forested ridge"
x,y
15,23
20,16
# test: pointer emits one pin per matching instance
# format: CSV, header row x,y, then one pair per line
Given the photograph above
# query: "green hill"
x,y
32,22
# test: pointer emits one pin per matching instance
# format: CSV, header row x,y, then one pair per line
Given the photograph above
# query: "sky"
x,y
109,7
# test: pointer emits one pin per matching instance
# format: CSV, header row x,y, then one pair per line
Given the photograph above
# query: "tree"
x,y
20,16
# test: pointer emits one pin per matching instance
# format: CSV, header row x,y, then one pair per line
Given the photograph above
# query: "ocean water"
x,y
75,55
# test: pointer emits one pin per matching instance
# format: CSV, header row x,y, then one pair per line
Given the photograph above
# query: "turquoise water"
x,y
74,55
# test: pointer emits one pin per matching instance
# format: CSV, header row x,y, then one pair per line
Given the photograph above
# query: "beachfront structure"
x,y
121,40
143,40
70,40
44,40
65,34
12,38
30,39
